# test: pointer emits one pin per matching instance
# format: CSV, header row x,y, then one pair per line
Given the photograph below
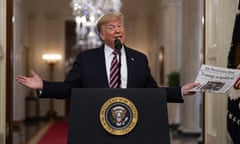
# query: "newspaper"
x,y
216,79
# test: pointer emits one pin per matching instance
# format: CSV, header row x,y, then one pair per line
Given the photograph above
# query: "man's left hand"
x,y
187,87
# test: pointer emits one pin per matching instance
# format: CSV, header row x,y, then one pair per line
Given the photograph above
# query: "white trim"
x,y
2,71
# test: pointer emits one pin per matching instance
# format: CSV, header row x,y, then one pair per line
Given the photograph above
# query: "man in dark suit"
x,y
92,67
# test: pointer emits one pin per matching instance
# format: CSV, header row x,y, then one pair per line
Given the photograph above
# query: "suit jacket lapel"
x,y
130,66
102,71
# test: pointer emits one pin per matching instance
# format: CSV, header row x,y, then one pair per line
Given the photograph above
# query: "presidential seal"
x,y
118,116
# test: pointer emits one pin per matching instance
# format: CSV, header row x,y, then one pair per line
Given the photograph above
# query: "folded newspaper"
x,y
216,79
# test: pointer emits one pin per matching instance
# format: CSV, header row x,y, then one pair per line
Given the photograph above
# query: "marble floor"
x,y
178,139
185,141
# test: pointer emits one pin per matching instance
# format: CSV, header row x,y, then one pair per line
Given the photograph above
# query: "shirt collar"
x,y
108,50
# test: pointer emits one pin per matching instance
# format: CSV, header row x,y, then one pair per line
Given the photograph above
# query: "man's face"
x,y
112,30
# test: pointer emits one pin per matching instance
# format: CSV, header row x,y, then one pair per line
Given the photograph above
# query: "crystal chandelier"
x,y
86,12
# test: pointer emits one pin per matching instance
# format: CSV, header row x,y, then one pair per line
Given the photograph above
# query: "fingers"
x,y
189,93
32,82
188,87
21,79
191,85
195,84
33,73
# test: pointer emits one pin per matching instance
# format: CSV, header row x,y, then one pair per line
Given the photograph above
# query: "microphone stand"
x,y
119,65
118,46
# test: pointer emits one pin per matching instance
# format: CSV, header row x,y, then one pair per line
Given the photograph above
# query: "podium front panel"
x,y
152,121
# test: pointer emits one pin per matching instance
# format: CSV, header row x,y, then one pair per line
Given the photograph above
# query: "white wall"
x,y
2,70
219,20
46,35
142,28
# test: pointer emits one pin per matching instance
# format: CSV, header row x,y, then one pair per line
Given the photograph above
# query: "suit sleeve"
x,y
61,90
174,95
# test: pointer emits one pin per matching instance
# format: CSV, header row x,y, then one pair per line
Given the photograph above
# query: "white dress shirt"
x,y
108,59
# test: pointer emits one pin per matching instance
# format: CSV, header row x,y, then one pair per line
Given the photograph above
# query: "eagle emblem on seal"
x,y
118,116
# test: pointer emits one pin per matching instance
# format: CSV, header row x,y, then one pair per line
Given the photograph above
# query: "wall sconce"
x,y
51,59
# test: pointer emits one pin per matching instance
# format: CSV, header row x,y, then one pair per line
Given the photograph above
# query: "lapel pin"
x,y
132,59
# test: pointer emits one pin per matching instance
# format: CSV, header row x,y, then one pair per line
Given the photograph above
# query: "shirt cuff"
x,y
39,93
182,93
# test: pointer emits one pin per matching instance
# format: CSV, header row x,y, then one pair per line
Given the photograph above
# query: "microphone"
x,y
117,44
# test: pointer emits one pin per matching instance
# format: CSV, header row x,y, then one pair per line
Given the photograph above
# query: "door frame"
x,y
9,72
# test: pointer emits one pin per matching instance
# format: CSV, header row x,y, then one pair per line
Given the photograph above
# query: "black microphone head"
x,y
117,44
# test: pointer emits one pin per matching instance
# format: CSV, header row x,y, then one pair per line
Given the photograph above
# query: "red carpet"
x,y
56,134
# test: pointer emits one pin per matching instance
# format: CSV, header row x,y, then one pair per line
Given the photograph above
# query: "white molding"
x,y
2,70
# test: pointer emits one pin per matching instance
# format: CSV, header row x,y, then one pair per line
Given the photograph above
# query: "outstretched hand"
x,y
187,87
33,82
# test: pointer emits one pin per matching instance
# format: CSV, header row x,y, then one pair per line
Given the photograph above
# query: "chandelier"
x,y
86,12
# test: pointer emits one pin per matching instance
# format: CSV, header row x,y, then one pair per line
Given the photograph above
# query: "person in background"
x,y
92,68
233,112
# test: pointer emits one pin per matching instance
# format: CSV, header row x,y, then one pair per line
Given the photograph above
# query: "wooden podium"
x,y
118,116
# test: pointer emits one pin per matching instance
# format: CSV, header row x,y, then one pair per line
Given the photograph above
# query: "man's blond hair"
x,y
108,17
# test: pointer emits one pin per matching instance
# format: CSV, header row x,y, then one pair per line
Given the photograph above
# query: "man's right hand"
x,y
33,82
